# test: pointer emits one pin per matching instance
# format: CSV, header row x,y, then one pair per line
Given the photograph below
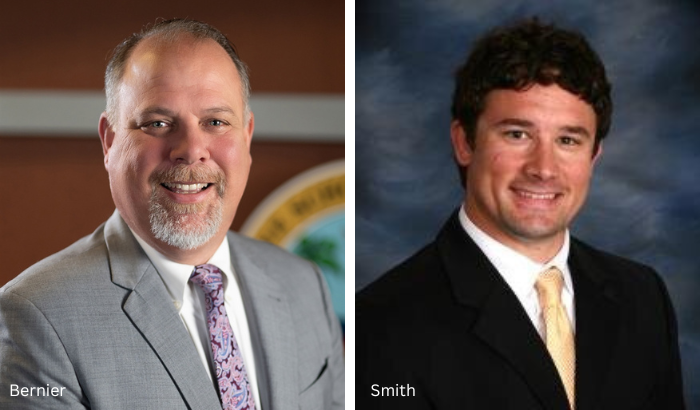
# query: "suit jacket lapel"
x,y
270,323
501,322
597,318
150,308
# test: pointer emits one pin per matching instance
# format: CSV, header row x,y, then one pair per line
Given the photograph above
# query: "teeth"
x,y
185,188
533,195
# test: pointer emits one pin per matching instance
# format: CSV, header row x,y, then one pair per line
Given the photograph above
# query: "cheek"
x,y
132,162
578,180
232,157
503,164
580,173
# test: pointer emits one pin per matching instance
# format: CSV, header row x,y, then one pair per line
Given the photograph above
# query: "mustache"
x,y
197,174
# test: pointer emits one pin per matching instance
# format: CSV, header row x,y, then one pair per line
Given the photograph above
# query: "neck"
x,y
540,249
196,256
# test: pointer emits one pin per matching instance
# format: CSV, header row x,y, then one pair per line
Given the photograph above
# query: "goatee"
x,y
185,226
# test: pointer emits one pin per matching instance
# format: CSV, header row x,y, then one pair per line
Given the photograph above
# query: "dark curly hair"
x,y
527,53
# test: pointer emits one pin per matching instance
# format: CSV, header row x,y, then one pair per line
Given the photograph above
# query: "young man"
x,y
506,310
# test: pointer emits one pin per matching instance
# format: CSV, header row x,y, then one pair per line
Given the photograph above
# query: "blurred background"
x,y
645,199
53,186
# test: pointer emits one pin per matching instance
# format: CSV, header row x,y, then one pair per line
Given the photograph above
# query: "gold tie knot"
x,y
549,284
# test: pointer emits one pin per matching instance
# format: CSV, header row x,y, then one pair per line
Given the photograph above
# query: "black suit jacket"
x,y
446,324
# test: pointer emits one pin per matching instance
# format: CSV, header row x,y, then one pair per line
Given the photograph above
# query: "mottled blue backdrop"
x,y
645,197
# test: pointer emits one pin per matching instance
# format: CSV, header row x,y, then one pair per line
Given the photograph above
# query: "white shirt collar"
x,y
191,307
176,275
519,271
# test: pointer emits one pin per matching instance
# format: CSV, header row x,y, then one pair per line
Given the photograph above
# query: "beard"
x,y
185,226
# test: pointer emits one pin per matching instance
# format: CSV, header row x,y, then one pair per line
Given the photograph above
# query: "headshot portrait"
x,y
144,275
520,242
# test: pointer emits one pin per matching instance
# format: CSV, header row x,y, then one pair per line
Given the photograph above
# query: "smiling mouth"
x,y
538,196
180,188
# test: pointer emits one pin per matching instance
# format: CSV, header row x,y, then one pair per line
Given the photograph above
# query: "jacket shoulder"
x,y
611,265
61,271
275,261
301,279
410,293
582,247
627,280
404,280
263,252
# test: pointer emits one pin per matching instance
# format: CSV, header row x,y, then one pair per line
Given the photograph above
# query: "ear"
x,y
598,153
106,136
460,146
249,128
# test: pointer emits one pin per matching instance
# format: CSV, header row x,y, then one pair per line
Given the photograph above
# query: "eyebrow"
x,y
220,109
514,121
156,110
223,109
578,130
170,113
568,129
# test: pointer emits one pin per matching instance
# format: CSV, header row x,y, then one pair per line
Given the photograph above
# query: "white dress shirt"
x,y
188,300
520,272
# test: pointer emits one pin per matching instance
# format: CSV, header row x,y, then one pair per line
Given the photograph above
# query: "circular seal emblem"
x,y
306,216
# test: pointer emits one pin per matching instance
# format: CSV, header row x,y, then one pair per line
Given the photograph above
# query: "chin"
x,y
184,231
536,230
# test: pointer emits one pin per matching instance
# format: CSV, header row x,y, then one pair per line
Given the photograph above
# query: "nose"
x,y
542,163
189,145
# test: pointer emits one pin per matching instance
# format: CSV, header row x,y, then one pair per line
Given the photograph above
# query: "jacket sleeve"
x,y
336,363
669,394
35,370
385,359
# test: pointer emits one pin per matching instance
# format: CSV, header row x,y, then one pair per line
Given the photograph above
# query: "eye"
x,y
566,140
515,134
155,124
217,126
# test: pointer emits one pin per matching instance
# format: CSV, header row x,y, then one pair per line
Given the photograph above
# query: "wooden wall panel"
x,y
290,46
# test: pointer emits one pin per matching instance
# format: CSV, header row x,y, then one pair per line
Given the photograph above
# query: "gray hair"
x,y
169,31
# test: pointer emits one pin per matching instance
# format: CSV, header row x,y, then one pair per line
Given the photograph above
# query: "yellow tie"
x,y
558,335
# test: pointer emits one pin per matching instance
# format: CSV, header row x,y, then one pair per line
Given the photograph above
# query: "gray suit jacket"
x,y
96,319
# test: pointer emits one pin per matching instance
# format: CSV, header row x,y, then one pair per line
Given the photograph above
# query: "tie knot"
x,y
548,285
208,277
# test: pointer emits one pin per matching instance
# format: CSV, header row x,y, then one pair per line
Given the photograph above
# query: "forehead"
x,y
539,104
180,65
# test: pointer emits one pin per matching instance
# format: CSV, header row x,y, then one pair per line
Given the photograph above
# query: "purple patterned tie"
x,y
234,388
